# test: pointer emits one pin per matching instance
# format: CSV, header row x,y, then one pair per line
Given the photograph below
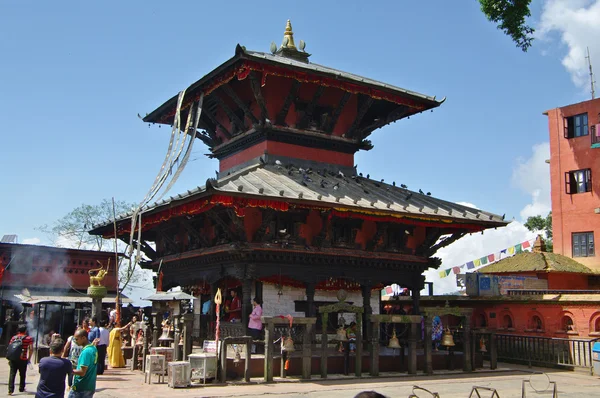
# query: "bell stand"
x,y
376,321
465,314
341,306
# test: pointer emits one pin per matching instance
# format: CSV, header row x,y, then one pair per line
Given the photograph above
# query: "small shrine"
x,y
289,219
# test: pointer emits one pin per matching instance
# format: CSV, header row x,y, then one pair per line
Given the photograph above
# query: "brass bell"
x,y
166,335
482,347
288,345
447,339
394,343
341,334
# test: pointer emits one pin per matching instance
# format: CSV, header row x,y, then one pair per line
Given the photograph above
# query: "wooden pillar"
x,y
359,346
493,351
428,342
268,368
310,300
324,320
246,303
223,357
412,349
306,351
416,297
247,350
375,349
368,311
467,364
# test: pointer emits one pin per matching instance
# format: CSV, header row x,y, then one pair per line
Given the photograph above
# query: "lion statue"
x,y
96,280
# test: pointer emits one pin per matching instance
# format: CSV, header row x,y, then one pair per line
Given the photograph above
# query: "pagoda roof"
x,y
332,190
347,81
536,262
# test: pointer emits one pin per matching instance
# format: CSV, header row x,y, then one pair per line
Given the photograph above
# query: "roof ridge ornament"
x,y
288,47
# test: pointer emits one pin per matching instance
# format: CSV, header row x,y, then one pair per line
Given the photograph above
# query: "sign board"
x,y
209,346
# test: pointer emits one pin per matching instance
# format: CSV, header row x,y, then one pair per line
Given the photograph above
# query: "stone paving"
x,y
122,383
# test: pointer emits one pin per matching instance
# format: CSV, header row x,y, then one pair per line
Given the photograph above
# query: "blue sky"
x,y
74,75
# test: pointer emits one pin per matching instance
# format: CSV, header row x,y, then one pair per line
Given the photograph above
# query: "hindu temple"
x,y
289,219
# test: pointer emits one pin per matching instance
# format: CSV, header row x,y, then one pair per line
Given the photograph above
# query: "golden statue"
x,y
96,280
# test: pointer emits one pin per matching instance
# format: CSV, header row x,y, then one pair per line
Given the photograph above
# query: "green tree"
x,y
510,16
542,224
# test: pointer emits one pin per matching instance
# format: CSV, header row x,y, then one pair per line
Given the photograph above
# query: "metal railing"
x,y
545,351
533,292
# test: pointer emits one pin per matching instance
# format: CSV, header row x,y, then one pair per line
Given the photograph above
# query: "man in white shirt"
x,y
103,341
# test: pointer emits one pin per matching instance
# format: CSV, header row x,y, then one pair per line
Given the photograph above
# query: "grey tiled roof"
x,y
317,187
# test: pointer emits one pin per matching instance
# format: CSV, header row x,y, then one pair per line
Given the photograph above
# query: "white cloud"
x,y
31,241
472,247
467,204
577,23
532,176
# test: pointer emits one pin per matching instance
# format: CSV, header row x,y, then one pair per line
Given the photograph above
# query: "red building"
x,y
31,274
574,164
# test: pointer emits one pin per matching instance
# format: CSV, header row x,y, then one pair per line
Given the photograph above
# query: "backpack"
x,y
15,349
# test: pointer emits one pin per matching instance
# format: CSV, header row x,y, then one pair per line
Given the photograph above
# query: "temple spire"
x,y
288,47
288,37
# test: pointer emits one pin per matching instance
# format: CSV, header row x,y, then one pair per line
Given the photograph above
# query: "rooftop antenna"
x,y
592,81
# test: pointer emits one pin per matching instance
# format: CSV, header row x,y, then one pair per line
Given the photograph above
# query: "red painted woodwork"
x,y
572,213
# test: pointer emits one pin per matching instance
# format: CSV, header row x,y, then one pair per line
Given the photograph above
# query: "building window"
x,y
507,322
583,244
576,126
578,181
536,323
597,325
567,324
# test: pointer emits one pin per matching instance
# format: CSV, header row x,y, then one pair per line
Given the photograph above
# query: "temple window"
x,y
576,126
583,244
481,321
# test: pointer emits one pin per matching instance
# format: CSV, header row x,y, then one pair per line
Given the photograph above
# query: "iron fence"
x,y
545,351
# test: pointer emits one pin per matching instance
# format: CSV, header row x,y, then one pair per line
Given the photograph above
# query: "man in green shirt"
x,y
84,382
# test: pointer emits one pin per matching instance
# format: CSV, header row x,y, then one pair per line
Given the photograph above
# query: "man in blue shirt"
x,y
53,370
84,382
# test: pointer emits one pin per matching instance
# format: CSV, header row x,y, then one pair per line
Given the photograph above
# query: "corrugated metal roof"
x,y
333,72
66,299
330,188
536,262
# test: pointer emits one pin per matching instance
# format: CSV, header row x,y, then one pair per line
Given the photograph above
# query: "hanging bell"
x,y
482,347
394,343
238,357
165,335
447,339
341,334
288,345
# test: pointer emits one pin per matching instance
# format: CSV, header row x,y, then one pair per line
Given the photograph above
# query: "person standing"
x,y
102,345
21,363
84,382
255,323
94,332
53,370
115,353
235,308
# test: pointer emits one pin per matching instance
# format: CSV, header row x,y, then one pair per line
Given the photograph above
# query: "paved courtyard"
x,y
507,380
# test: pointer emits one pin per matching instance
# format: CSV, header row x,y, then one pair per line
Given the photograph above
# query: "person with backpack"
x,y
18,353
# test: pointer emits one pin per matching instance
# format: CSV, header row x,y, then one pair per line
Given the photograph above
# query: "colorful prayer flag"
x,y
525,244
511,250
456,270
503,251
448,271
470,265
442,274
484,260
477,262
519,248
491,258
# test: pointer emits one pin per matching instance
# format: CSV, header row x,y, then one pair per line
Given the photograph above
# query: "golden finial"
x,y
288,37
